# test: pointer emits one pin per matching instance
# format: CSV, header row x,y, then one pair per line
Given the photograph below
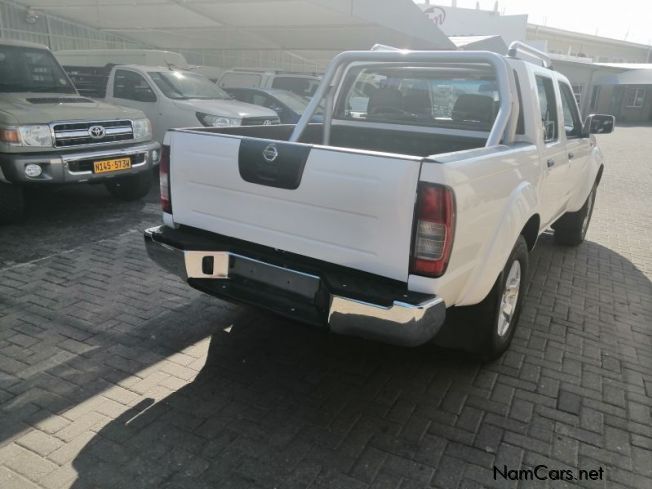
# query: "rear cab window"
x,y
442,96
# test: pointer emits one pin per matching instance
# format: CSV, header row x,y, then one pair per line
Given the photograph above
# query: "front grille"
x,y
260,121
87,165
78,133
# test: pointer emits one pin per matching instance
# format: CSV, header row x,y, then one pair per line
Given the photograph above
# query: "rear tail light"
x,y
434,229
164,170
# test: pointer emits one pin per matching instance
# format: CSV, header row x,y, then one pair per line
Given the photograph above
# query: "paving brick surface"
x,y
114,375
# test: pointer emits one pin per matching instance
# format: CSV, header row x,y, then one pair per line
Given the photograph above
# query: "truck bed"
x,y
370,139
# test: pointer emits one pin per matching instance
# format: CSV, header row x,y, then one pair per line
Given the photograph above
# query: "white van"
x,y
103,57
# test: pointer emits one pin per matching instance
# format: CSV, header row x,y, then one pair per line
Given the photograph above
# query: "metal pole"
x,y
2,28
48,31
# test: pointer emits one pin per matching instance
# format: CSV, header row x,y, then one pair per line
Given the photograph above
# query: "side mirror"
x,y
599,124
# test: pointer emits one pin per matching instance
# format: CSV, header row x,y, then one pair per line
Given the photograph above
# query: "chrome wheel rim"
x,y
509,299
587,217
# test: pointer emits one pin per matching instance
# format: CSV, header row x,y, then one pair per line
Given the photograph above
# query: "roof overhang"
x,y
630,77
291,25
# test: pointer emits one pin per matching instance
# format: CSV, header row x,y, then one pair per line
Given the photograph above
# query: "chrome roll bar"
x,y
502,130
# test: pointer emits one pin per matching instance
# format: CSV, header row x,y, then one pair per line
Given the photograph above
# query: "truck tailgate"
x,y
349,208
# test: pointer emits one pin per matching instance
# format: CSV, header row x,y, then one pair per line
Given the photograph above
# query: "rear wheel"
x,y
132,187
487,328
12,203
571,228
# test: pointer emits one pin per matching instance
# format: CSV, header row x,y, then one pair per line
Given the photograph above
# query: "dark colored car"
x,y
289,106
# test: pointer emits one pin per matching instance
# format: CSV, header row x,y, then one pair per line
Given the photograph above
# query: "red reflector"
x,y
164,172
434,230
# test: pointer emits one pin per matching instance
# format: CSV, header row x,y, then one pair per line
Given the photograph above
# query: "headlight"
x,y
36,135
142,129
210,120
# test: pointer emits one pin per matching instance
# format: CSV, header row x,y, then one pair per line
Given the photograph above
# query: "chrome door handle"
x,y
550,163
571,155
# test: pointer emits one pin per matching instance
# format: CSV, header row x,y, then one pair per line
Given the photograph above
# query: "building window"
x,y
595,95
634,97
577,91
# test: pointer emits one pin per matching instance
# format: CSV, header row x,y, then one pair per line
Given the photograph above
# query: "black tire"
x,y
132,187
476,328
570,229
12,203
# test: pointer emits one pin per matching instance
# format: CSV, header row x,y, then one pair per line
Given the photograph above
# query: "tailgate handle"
x,y
272,163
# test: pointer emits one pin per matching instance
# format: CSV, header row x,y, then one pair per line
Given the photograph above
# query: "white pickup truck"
x,y
169,97
407,217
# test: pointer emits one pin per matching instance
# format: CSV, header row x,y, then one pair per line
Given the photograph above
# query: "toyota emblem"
x,y
270,153
267,122
97,132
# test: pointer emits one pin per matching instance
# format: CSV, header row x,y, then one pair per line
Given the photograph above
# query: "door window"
x,y
132,86
572,121
548,108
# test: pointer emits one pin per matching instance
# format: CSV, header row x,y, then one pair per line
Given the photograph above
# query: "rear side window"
x,y
548,108
572,122
130,85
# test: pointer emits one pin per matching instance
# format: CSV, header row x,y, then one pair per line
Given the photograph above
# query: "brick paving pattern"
x,y
113,375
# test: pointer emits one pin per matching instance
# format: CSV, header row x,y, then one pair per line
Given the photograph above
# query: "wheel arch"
x,y
531,231
518,218
599,175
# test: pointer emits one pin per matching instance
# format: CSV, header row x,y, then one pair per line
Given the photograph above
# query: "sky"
x,y
619,19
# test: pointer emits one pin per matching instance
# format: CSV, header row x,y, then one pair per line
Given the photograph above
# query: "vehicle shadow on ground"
x,y
274,404
279,404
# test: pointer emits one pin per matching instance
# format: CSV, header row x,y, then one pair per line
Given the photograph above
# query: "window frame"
x,y
578,92
635,98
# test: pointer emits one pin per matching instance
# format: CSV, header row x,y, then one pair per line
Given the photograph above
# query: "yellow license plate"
x,y
106,166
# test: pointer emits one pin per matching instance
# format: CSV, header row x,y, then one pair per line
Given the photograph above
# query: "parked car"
x,y
49,134
303,84
289,106
170,97
401,223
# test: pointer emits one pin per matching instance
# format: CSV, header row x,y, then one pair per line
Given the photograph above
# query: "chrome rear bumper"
x,y
401,321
